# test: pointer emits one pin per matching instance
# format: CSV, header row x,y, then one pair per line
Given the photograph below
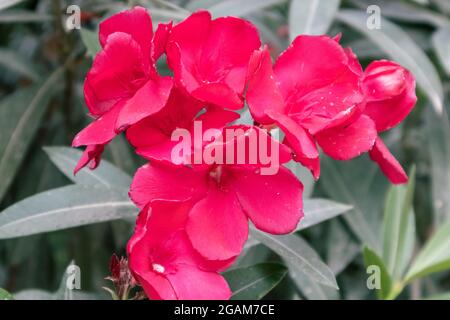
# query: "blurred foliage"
x,y
405,229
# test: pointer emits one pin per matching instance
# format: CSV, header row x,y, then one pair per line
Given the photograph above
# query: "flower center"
x,y
158,268
216,174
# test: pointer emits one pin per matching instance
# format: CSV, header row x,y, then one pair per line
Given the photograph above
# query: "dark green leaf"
x,y
253,283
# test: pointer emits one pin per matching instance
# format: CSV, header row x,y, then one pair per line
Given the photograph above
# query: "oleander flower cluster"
x,y
195,216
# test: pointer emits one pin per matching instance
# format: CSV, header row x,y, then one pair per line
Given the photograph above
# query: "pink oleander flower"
x,y
123,86
226,196
163,260
389,91
313,86
381,98
209,58
152,137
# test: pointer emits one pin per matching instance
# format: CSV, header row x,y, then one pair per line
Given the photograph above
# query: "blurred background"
x,y
44,58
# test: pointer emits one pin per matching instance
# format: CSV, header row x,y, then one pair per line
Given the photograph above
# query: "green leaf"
x,y
441,44
90,41
341,248
434,257
240,8
106,174
23,16
4,4
5,295
20,118
65,207
438,141
319,210
405,12
442,296
356,183
372,259
400,47
12,61
398,227
312,17
298,253
253,283
309,288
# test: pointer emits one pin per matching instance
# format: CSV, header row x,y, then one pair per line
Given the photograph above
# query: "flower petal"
x,y
388,164
272,202
202,53
148,100
162,182
136,22
217,227
390,91
191,283
99,131
262,90
117,72
92,156
348,142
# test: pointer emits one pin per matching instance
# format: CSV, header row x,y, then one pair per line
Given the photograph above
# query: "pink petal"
x,y
148,100
262,90
348,142
202,53
191,283
272,202
156,286
160,182
217,227
218,94
300,141
160,39
390,91
117,72
388,164
100,131
91,156
136,22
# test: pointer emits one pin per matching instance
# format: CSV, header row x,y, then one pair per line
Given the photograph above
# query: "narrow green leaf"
x,y
442,296
400,47
12,61
319,210
357,184
304,175
90,41
62,208
312,17
438,141
253,283
372,259
441,44
297,252
4,4
20,117
5,295
240,8
341,248
398,227
405,12
434,257
106,174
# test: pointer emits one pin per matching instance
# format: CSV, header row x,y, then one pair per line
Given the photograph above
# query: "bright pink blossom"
x,y
313,86
226,196
389,92
164,262
209,58
123,87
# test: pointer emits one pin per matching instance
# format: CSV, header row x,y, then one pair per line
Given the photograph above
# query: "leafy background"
x,y
354,219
